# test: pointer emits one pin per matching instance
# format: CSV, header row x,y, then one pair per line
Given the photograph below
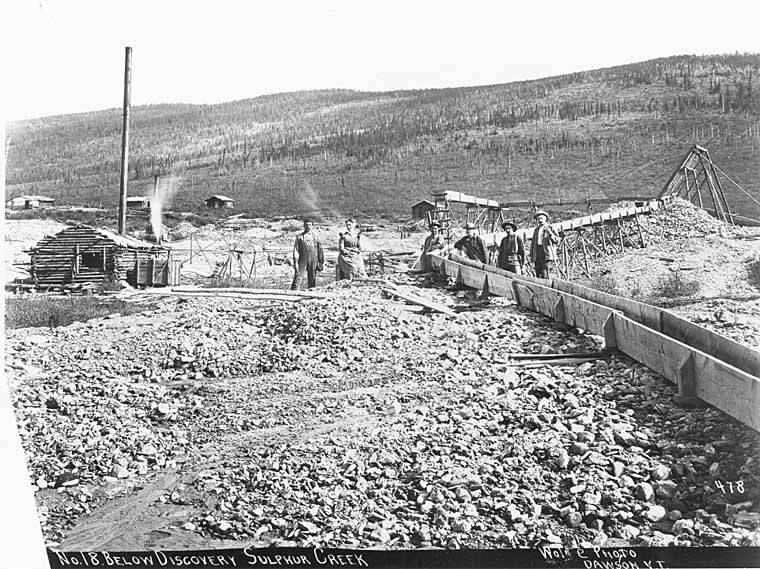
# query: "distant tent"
x,y
218,201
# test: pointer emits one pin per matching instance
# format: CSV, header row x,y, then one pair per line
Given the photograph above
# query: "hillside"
x,y
608,132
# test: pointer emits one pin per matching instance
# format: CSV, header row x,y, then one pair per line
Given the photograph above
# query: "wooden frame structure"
x,y
591,237
696,180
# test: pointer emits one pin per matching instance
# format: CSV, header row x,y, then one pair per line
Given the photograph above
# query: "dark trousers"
x,y
514,268
544,267
307,267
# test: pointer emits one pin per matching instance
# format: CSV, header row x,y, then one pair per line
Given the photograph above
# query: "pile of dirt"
x,y
679,220
368,423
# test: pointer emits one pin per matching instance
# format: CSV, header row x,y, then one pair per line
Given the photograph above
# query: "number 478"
x,y
730,487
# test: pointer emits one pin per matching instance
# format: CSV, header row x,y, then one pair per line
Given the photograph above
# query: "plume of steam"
x,y
310,201
309,198
162,197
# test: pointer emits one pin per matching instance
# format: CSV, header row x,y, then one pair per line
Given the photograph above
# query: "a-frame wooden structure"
x,y
696,180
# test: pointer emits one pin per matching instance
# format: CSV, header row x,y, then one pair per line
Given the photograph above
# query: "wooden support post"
x,y
585,253
125,142
459,280
687,387
486,292
620,234
559,310
719,189
641,233
719,211
696,186
610,337
686,180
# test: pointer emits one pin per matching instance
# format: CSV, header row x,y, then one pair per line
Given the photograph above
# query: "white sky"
x,y
64,56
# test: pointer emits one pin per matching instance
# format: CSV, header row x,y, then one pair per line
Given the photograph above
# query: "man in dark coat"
x,y
472,246
543,246
511,250
308,257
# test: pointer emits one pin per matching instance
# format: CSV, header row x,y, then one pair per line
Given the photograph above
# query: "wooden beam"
x,y
415,299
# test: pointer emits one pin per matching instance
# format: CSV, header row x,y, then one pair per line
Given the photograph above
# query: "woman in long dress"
x,y
350,260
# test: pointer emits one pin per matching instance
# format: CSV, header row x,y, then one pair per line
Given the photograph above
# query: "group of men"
x,y
543,246
308,257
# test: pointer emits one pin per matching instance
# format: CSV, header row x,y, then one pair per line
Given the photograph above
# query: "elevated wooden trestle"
x,y
591,237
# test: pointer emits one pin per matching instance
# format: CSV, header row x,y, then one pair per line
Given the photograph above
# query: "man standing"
x,y
511,250
434,243
308,257
543,247
472,246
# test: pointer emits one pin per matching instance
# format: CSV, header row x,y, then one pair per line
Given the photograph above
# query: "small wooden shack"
x,y
420,209
29,202
85,254
138,202
217,202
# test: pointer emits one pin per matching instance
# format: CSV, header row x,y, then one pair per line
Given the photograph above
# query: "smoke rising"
x,y
161,198
310,201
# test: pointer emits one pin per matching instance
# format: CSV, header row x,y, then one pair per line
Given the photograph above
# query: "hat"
x,y
435,224
511,224
540,212
470,226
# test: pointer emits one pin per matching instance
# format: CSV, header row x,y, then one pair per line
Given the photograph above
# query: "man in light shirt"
x,y
543,246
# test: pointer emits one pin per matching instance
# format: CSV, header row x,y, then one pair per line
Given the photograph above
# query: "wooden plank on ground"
x,y
253,291
415,299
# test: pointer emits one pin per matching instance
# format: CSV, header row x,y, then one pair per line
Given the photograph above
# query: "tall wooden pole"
x,y
125,143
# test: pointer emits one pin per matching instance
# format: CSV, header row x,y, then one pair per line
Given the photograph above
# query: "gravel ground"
x,y
364,422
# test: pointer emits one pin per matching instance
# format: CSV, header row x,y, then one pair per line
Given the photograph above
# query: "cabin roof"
x,y
120,240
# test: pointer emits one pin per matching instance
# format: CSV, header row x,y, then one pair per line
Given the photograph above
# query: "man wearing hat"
x,y
543,246
472,246
434,243
308,257
511,249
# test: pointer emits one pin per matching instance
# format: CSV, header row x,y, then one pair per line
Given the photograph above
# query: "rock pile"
x,y
363,422
681,219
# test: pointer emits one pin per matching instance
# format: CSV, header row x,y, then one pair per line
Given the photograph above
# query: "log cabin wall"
x,y
83,254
